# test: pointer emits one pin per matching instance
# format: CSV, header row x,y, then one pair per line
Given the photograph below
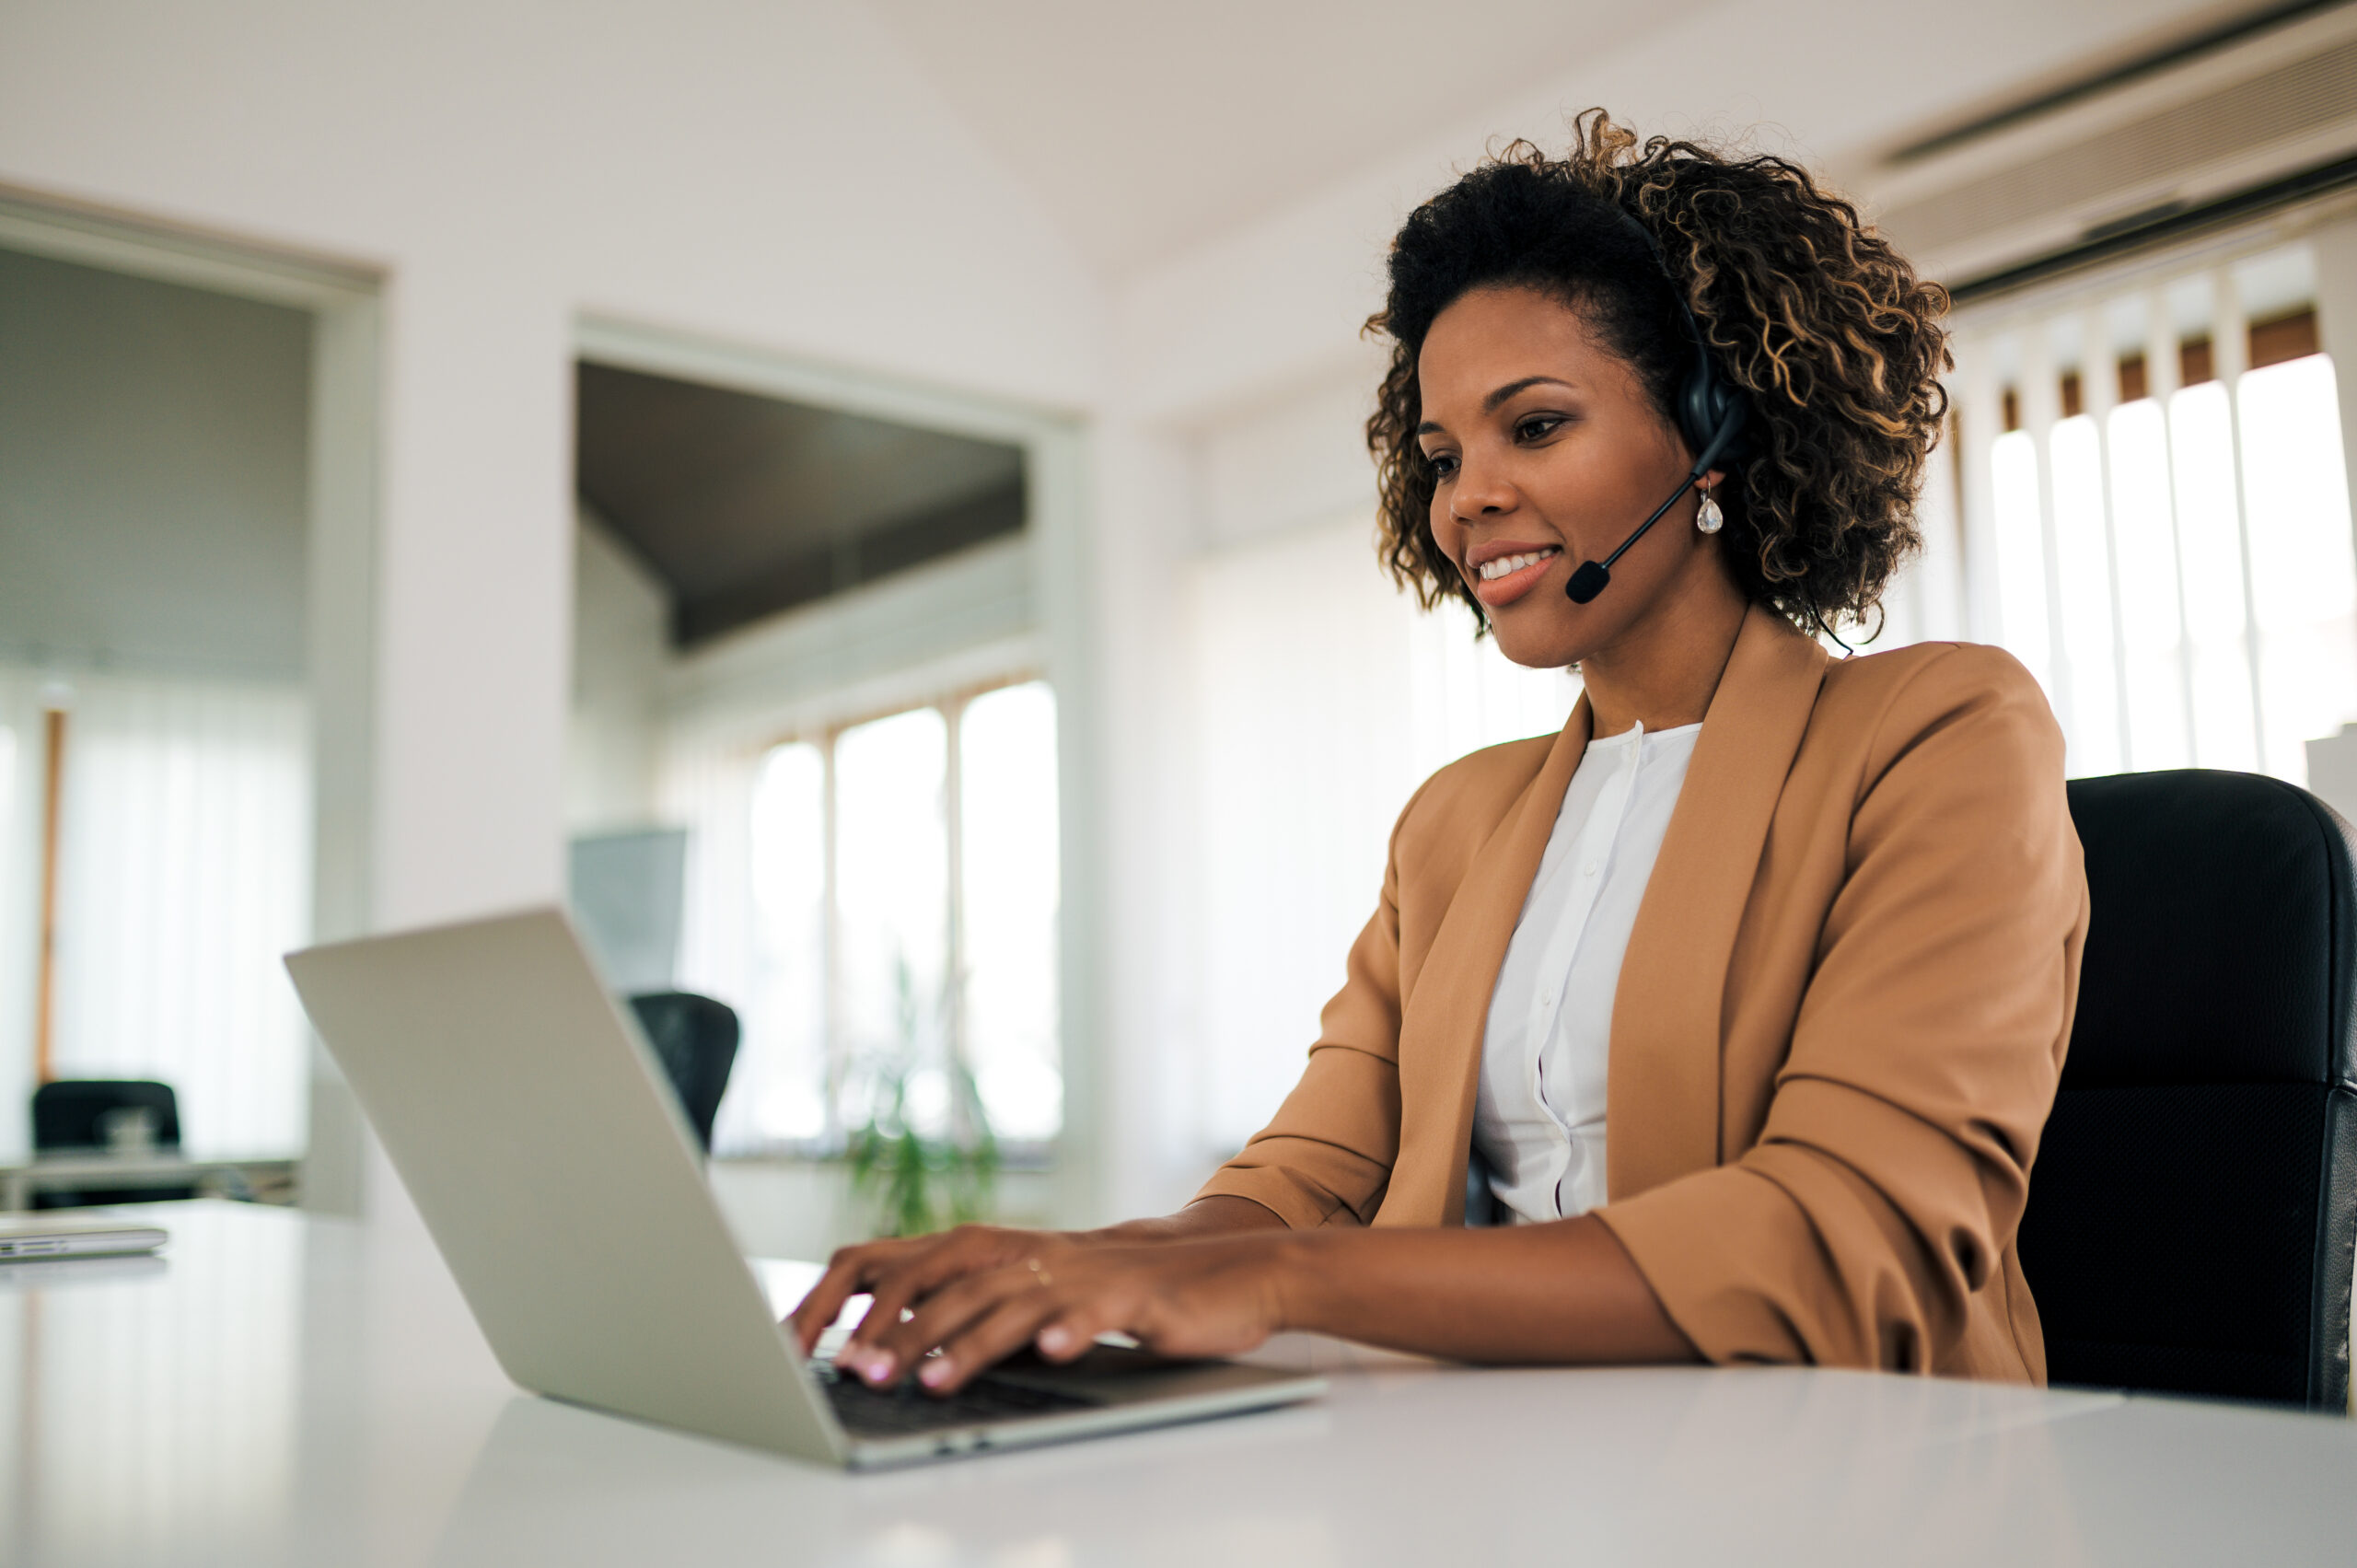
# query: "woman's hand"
x,y
902,1272
1216,1296
898,1273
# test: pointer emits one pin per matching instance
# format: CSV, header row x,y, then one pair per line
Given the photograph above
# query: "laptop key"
x,y
904,1407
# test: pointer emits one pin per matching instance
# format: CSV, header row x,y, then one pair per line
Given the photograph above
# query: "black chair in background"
x,y
99,1115
695,1038
2193,1208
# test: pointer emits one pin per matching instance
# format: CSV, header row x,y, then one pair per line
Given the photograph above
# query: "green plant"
x,y
918,1182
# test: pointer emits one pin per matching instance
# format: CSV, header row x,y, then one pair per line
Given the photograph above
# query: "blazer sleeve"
x,y
1895,1159
1326,1157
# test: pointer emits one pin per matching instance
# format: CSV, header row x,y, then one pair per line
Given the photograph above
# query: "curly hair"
x,y
1810,315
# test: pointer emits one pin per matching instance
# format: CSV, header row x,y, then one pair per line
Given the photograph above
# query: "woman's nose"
x,y
1479,493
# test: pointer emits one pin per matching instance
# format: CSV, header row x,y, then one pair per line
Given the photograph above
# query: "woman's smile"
x,y
1504,571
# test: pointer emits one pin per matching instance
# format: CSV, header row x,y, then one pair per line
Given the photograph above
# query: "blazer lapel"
x,y
1442,1021
1662,1094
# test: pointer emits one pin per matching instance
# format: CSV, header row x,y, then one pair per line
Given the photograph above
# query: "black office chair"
x,y
2193,1208
81,1115
695,1038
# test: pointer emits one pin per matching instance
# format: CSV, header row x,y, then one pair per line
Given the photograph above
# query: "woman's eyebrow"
x,y
1489,404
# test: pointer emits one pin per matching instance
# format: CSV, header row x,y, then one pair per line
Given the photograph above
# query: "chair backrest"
x,y
695,1038
2193,1206
79,1113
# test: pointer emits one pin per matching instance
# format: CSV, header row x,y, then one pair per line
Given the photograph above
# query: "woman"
x,y
1751,987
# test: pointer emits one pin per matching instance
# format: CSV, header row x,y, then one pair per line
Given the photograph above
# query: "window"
x,y
183,872
903,885
2157,468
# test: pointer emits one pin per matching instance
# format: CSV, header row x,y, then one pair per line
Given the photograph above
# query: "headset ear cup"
x,y
1706,404
1723,413
1702,410
1734,415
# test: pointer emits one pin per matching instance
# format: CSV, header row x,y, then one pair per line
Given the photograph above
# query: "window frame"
x,y
1030,1154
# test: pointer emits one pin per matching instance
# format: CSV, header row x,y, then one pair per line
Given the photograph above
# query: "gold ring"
x,y
1039,1273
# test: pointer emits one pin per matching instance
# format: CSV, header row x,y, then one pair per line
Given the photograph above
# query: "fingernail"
x,y
1054,1339
879,1367
935,1372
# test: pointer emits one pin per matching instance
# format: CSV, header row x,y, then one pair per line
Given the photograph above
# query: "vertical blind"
x,y
2157,471
184,874
1323,697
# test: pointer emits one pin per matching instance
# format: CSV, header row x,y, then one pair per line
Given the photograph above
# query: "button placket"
x,y
1598,837
1599,840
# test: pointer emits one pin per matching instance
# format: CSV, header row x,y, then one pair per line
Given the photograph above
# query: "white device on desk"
x,y
74,1236
552,1165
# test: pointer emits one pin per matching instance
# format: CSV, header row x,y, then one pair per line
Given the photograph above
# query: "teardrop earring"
x,y
1708,519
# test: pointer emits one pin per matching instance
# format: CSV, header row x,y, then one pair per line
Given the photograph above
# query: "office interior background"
x,y
865,498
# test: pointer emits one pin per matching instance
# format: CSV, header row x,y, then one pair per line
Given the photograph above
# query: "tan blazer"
x,y
1837,1031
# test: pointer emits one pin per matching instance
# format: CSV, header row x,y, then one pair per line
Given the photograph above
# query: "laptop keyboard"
x,y
904,1407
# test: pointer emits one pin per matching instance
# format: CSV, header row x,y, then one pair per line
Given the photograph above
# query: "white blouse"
x,y
1539,1119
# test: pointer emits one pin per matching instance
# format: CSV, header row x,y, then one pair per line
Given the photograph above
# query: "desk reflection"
x,y
557,1483
1639,1466
147,1390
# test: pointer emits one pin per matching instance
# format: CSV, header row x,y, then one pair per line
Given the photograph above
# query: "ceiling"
x,y
745,506
1206,114
1144,130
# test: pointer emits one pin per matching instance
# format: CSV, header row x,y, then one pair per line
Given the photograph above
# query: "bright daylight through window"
x,y
904,883
2166,497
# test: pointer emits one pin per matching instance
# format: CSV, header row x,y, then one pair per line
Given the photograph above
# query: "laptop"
x,y
74,1236
552,1165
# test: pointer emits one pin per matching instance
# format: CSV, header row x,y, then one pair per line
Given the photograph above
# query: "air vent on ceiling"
x,y
2264,108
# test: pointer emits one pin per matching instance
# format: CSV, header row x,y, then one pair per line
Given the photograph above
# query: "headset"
x,y
1711,416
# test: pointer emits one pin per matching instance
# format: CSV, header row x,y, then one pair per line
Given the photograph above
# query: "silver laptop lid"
x,y
71,1235
526,1119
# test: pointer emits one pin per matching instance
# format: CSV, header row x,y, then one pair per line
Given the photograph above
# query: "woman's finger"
x,y
1066,1333
862,1267
901,1346
929,1264
848,1274
989,1337
823,1302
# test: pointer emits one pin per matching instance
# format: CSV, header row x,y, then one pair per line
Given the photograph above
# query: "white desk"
x,y
285,1389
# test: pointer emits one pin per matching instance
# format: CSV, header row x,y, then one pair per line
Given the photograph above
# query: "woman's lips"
x,y
1497,592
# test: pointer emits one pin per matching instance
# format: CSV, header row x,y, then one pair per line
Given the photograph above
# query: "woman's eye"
x,y
1536,427
1443,464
